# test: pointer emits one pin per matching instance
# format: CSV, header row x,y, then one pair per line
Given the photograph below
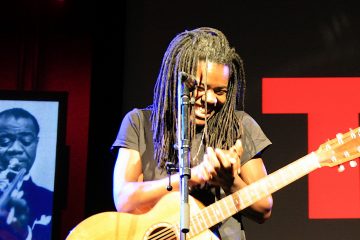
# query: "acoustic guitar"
x,y
162,221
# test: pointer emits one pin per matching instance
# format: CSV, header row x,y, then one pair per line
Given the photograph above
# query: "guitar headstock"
x,y
345,147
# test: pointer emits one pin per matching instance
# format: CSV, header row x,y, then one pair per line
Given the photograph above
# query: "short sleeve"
x,y
254,140
129,133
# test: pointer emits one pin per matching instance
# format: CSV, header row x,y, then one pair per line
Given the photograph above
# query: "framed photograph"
x,y
32,157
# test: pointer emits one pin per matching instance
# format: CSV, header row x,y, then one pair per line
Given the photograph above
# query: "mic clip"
x,y
170,168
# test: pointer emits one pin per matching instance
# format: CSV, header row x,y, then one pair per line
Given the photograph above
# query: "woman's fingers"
x,y
218,164
236,152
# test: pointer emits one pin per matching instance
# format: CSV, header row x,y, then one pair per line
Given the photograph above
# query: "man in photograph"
x,y
25,208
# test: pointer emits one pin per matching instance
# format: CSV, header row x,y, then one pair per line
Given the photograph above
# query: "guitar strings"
x,y
163,234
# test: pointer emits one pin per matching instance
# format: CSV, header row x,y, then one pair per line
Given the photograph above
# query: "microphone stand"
x,y
183,135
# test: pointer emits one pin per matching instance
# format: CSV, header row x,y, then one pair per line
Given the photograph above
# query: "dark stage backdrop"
x,y
46,46
275,39
106,55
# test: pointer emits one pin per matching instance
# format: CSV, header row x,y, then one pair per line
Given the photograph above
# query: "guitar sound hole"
x,y
162,233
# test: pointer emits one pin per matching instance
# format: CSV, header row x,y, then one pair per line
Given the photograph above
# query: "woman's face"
x,y
216,77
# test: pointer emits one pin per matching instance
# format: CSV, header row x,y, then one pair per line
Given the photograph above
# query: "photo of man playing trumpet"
x,y
25,207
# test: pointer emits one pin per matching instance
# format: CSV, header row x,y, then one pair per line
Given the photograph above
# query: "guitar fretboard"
x,y
230,205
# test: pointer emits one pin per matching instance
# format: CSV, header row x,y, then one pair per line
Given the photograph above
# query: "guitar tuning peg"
x,y
341,168
352,133
328,146
339,137
353,164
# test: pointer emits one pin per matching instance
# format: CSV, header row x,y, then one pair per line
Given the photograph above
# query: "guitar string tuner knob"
x,y
341,168
353,164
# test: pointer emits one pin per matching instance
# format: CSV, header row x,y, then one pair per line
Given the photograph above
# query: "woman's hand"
x,y
219,167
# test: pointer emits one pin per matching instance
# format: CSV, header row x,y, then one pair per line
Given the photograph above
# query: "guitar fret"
x,y
222,214
227,207
194,225
215,211
207,213
196,218
271,186
256,191
263,187
214,216
273,182
218,208
248,197
203,219
234,206
241,201
236,201
250,193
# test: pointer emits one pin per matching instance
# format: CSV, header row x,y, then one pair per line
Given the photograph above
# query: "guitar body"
x,y
161,222
158,223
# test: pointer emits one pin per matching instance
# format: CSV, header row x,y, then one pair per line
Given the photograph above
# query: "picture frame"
x,y
49,170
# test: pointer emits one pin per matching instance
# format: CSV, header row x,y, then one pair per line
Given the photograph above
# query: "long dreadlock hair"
x,y
182,55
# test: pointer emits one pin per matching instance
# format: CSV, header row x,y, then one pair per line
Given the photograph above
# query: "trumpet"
x,y
8,187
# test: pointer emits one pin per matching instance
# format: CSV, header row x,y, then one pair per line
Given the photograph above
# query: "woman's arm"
x,y
250,172
131,194
227,173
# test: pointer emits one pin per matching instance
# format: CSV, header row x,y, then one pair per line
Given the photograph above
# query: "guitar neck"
x,y
239,200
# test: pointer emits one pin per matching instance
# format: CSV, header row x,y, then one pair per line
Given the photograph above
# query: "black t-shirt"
x,y
135,133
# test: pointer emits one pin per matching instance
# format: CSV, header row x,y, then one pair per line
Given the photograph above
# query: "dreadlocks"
x,y
183,55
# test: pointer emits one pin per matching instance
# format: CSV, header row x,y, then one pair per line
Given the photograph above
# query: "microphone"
x,y
189,80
